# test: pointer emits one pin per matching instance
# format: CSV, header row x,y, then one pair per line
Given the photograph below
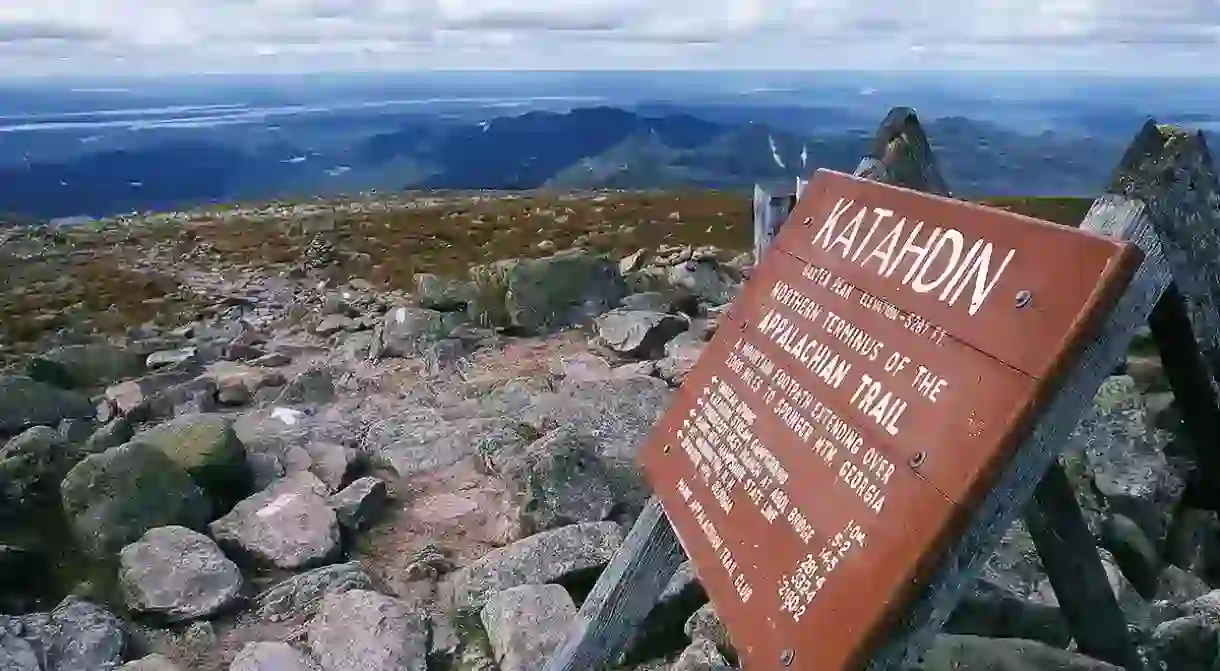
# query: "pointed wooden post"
x,y
1171,171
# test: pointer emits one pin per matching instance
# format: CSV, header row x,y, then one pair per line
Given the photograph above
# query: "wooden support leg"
x,y
1070,558
1191,381
623,596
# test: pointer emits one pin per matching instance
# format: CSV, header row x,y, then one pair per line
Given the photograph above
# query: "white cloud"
x,y
118,36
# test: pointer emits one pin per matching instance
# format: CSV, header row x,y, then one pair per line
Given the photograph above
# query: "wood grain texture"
x,y
1112,215
623,596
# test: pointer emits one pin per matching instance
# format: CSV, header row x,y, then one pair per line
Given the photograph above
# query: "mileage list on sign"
x,y
834,434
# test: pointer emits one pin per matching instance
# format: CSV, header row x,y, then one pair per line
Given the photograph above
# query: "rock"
x,y
632,261
445,295
82,636
550,556
525,624
113,434
704,280
330,462
25,403
408,331
581,366
422,440
271,656
620,412
177,574
546,294
1191,642
1177,585
25,578
272,360
560,479
681,355
360,630
648,300
333,324
289,525
701,655
311,387
153,662
16,653
85,366
706,625
1127,457
975,653
360,502
31,466
136,397
299,596
112,498
208,449
427,563
172,358
638,333
994,611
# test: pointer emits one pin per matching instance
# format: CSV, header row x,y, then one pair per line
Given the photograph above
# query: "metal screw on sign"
x,y
808,221
786,657
665,449
918,459
1023,298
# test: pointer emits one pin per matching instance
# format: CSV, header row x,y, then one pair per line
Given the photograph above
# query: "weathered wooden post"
x,y
894,346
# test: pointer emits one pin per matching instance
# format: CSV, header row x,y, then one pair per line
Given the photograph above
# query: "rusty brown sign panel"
x,y
878,370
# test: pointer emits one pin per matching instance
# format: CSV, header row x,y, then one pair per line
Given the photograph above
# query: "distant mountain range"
x,y
646,146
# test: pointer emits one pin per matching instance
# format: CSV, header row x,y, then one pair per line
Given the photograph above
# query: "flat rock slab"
x,y
271,656
178,574
526,624
361,630
289,525
300,595
542,558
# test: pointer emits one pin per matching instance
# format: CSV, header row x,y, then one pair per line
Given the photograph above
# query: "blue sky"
x,y
183,36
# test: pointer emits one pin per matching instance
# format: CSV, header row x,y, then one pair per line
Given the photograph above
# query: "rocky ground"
x,y
261,458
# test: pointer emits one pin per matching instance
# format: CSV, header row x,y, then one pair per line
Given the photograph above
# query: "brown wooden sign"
x,y
879,369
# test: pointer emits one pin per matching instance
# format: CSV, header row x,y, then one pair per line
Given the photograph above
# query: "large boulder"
x,y
360,630
638,333
85,366
408,331
208,449
561,479
289,525
525,624
545,294
112,498
551,556
31,466
271,656
299,596
422,440
1127,459
177,574
26,402
619,412
439,293
82,636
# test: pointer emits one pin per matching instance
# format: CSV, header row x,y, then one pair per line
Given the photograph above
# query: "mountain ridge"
x,y
584,148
